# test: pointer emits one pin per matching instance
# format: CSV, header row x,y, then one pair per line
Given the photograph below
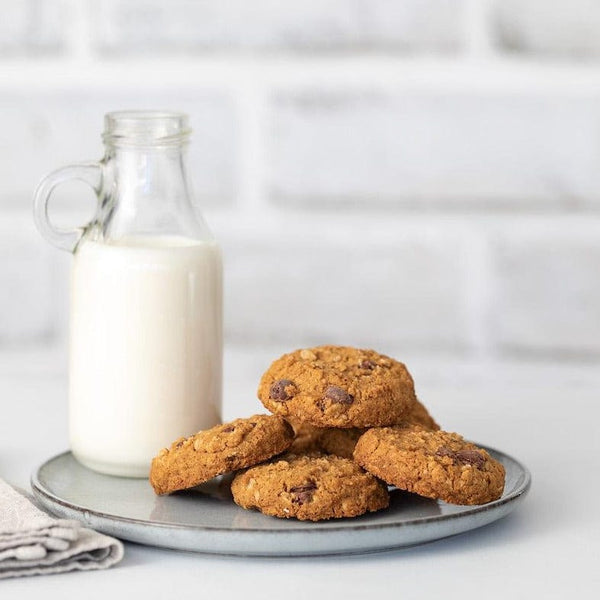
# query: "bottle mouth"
x,y
145,128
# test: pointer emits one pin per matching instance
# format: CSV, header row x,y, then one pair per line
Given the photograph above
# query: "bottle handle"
x,y
65,239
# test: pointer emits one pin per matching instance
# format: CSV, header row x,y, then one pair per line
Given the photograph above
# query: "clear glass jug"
x,y
145,342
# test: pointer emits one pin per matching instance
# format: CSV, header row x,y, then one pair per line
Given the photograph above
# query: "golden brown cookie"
x,y
224,448
420,416
435,464
338,386
340,442
307,438
309,488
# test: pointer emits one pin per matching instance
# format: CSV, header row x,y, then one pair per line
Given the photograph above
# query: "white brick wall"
x,y
45,130
435,148
313,25
28,306
339,280
547,288
31,26
407,176
549,27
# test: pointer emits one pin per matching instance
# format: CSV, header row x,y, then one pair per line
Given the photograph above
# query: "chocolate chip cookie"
x,y
307,438
309,488
338,386
224,448
420,416
435,464
342,442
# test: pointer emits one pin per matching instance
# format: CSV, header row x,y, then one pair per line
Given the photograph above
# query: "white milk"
x,y
145,349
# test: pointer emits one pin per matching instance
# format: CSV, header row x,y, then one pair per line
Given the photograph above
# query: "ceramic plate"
x,y
205,519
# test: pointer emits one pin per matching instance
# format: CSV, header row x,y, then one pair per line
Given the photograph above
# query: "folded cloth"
x,y
34,543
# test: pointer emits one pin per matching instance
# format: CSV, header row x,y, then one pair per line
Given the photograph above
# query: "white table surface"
x,y
545,415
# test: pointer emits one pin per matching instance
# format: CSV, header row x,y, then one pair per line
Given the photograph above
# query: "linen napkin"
x,y
34,543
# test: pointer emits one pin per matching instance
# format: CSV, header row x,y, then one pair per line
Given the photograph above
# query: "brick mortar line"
x,y
78,32
374,73
530,221
251,105
478,34
477,291
258,227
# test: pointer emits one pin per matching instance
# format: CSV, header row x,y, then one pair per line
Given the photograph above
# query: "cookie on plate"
x,y
435,464
420,416
309,488
224,448
307,438
338,386
342,442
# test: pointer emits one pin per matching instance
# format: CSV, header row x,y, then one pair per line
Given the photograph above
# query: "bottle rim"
x,y
146,128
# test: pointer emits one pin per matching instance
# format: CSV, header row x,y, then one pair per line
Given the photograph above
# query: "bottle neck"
x,y
156,176
147,193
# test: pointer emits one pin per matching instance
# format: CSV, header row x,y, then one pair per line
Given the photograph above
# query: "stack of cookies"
x,y
345,425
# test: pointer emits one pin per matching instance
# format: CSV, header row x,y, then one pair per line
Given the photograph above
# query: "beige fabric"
x,y
34,543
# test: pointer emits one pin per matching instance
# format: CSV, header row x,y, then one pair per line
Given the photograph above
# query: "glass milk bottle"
x,y
146,298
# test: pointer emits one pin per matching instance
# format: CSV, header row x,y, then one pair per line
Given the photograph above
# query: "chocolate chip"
x,y
471,457
338,395
445,451
367,364
228,429
467,457
280,390
301,494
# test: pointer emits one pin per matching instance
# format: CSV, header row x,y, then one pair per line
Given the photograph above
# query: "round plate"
x,y
205,519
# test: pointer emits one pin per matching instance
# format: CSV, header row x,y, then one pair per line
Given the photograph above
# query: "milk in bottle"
x,y
146,302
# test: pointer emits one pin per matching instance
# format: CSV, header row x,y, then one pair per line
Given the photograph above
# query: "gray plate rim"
x,y
345,525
